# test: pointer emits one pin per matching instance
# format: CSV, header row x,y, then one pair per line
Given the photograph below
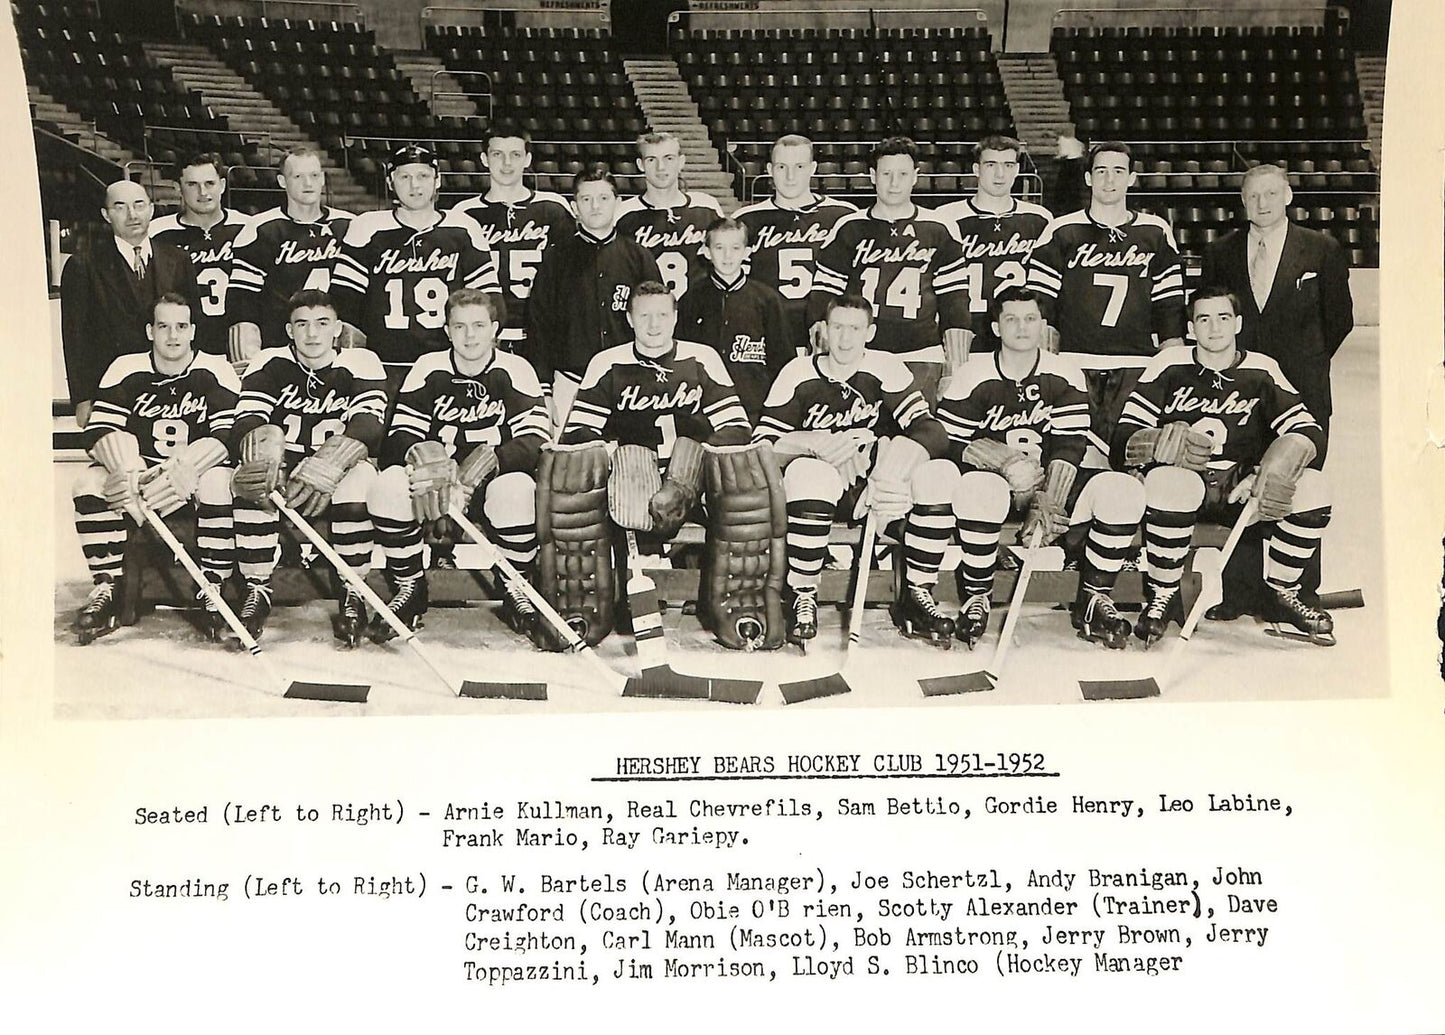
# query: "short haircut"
x,y
656,137
849,300
508,130
168,298
595,172
1254,172
1013,294
724,223
471,296
790,140
201,158
997,142
309,298
892,146
302,151
1209,291
1104,147
647,288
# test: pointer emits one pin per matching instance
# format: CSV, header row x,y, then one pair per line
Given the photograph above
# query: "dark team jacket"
x,y
1109,290
275,257
673,236
1044,414
502,407
392,282
347,395
630,399
578,307
996,250
910,269
1243,409
211,253
784,246
880,396
165,412
744,322
519,235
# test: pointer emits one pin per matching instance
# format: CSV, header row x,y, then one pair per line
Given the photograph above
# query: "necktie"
x,y
140,265
1259,279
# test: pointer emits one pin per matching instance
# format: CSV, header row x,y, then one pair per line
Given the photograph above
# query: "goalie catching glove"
x,y
259,472
170,486
1048,510
1175,443
119,453
890,486
430,471
314,480
1022,472
1279,471
670,504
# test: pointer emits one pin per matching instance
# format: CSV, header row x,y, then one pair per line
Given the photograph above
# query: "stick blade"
x,y
662,681
963,683
1342,598
735,691
353,693
503,691
1118,689
810,689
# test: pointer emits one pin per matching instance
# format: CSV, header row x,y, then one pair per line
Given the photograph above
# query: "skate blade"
x,y
353,693
1118,689
810,689
964,683
1319,640
504,691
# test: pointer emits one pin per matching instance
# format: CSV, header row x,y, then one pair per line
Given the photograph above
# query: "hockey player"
x,y
282,251
738,316
824,417
998,233
396,268
666,219
157,434
1018,421
519,224
787,229
207,230
309,417
579,301
1210,426
469,426
906,261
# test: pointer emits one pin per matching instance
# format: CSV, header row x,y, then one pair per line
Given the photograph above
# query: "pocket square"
x,y
1310,275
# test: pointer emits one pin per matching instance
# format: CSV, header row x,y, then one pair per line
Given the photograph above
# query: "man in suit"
x,y
1293,285
107,291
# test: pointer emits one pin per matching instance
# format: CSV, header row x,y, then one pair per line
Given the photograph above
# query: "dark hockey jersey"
x,y
165,412
501,406
785,244
996,251
630,399
1044,414
911,270
1243,409
519,234
393,282
673,236
275,257
744,322
347,395
211,254
1109,290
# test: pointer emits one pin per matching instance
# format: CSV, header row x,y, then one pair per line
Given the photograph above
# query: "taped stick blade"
x,y
503,691
662,681
811,689
963,683
1342,598
1118,689
735,691
354,693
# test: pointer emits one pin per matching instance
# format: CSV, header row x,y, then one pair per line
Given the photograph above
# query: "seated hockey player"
x,y
309,417
1211,426
157,434
825,417
468,419
1019,423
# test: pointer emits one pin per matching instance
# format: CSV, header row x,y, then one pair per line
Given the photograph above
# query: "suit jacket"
x,y
104,312
1309,311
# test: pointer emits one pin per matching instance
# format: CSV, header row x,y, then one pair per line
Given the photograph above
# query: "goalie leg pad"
x,y
574,533
394,521
742,577
101,530
510,511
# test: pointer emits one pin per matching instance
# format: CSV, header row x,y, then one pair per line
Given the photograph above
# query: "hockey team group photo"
x,y
519,360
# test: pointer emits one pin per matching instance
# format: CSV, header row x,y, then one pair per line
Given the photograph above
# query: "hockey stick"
x,y
575,643
1149,686
353,692
356,582
987,677
835,683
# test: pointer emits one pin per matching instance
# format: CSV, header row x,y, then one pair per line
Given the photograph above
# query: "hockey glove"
x,y
430,471
670,504
259,473
119,453
1048,507
314,479
1022,472
890,486
1279,471
170,486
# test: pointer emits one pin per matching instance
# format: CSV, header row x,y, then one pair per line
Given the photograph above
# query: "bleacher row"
x,y
1206,103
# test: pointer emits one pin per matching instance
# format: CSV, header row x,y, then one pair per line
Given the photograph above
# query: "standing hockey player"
x,y
309,417
207,230
519,224
738,316
824,417
397,267
468,429
998,233
787,229
666,219
1210,426
157,433
1018,420
284,250
906,261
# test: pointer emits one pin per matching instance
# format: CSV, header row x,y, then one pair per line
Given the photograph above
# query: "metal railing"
x,y
434,95
871,19
242,140
1312,14
340,12
476,14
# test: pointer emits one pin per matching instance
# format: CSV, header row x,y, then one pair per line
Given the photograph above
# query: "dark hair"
x,y
1107,146
725,223
595,172
508,130
997,142
201,158
471,296
849,300
309,298
892,146
1013,294
649,287
1209,291
168,298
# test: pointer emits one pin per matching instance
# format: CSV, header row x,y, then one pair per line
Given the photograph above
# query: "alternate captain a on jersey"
x,y
519,223
997,231
665,219
207,230
787,229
